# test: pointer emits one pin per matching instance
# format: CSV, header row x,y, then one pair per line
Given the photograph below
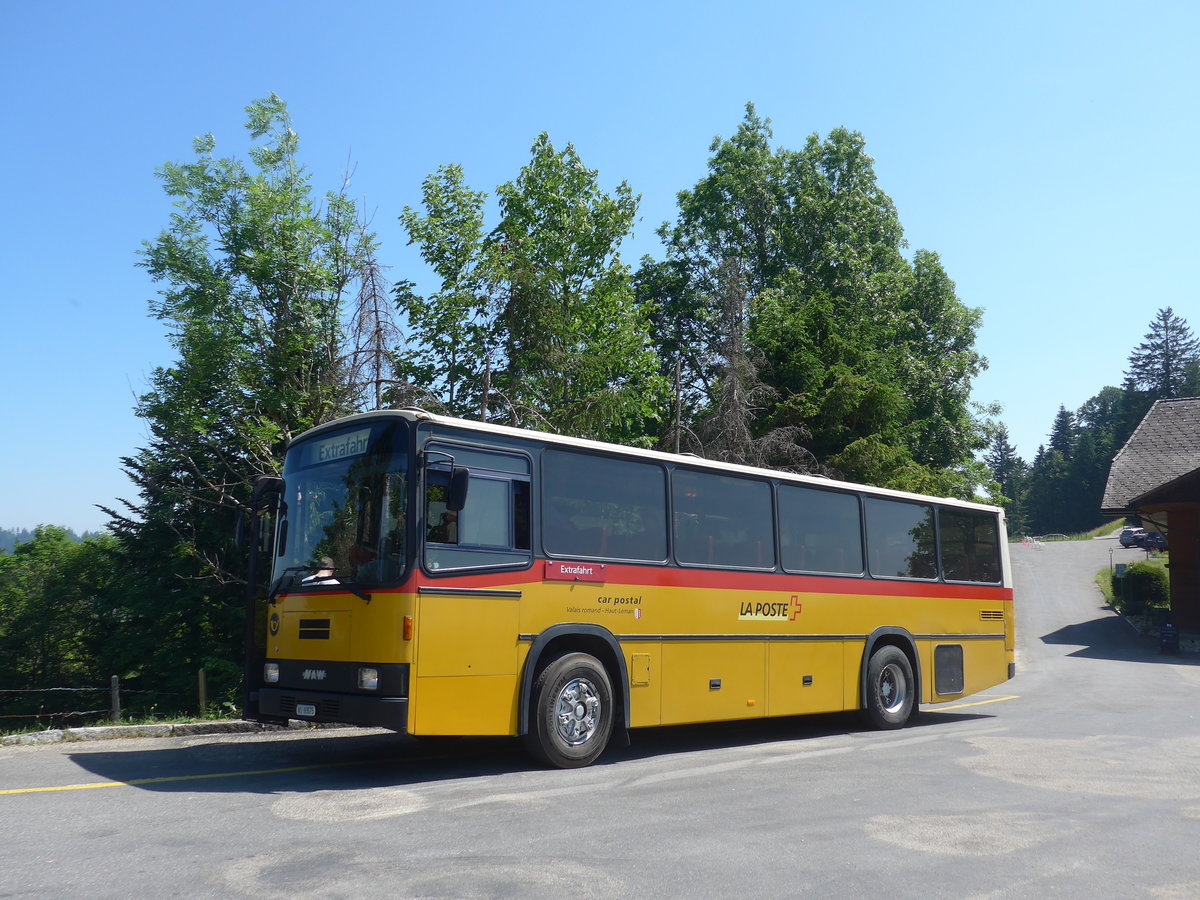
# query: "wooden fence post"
x,y
115,689
202,689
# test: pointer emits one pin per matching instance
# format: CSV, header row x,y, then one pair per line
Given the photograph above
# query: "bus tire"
x,y
891,689
572,714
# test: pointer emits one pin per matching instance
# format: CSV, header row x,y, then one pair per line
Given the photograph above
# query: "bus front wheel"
x,y
891,695
572,712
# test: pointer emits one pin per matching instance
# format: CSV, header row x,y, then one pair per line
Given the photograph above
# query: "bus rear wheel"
x,y
572,712
891,695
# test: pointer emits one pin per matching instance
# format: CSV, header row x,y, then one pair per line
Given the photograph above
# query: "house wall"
x,y
1184,545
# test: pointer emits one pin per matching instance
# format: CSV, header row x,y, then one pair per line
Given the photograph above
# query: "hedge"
x,y
1142,588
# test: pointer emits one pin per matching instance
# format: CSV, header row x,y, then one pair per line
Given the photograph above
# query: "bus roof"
x,y
415,414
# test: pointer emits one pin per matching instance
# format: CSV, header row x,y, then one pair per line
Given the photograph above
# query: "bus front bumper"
x,y
350,709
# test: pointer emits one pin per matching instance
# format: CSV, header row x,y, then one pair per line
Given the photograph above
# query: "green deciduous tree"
x,y
455,329
578,350
254,273
535,322
870,356
1101,415
53,625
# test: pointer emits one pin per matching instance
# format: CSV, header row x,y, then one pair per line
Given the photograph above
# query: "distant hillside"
x,y
10,537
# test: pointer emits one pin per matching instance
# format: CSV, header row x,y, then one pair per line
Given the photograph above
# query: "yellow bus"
x,y
438,576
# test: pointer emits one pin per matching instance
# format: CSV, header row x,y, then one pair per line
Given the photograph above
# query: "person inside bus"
x,y
446,531
323,575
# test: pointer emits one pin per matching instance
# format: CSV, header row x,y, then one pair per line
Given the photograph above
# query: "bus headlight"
x,y
368,679
271,673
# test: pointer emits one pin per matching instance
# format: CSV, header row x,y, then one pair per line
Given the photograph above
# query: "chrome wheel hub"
x,y
578,711
893,689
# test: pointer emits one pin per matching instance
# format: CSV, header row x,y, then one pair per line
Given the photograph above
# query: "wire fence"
x,y
21,708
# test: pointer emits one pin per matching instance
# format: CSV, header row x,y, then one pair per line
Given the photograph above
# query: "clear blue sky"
x,y
1045,150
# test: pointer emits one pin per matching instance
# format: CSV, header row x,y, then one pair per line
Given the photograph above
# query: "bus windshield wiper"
x,y
289,574
351,589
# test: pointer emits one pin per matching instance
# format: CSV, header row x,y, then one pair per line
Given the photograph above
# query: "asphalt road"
x,y
1078,778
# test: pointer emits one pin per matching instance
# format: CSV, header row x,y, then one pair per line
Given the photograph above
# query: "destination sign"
x,y
574,571
342,446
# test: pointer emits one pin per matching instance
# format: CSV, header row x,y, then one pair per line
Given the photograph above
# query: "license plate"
x,y
306,709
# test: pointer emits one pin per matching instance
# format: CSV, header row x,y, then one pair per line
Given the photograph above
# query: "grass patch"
x,y
1108,529
57,721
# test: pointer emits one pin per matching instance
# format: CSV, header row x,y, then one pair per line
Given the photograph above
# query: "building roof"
x,y
1164,448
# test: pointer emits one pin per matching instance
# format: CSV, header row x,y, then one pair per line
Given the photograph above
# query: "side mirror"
x,y
266,486
267,498
456,496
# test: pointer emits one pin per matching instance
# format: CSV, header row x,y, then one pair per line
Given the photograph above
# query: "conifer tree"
x,y
1062,434
1010,472
1162,363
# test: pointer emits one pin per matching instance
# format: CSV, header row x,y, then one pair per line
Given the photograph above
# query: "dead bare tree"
x,y
728,431
374,336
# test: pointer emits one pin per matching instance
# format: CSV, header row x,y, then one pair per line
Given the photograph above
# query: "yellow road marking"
x,y
976,703
133,782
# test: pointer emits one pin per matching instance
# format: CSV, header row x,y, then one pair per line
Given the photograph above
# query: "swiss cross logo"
x,y
794,609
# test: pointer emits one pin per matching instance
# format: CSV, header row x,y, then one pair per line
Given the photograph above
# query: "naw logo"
x,y
313,674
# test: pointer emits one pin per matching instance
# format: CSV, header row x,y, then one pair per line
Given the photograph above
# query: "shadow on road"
x,y
353,761
1111,637
345,760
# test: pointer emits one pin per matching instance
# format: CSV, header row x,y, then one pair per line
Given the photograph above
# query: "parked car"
x,y
1132,537
1153,540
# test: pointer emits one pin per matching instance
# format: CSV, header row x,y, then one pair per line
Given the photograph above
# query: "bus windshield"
x,y
342,516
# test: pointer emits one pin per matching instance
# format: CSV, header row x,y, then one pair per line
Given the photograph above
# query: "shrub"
x,y
1144,587
224,684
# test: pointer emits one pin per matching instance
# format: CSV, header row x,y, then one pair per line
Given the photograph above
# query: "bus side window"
x,y
970,545
487,519
598,507
820,530
491,530
722,520
901,539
